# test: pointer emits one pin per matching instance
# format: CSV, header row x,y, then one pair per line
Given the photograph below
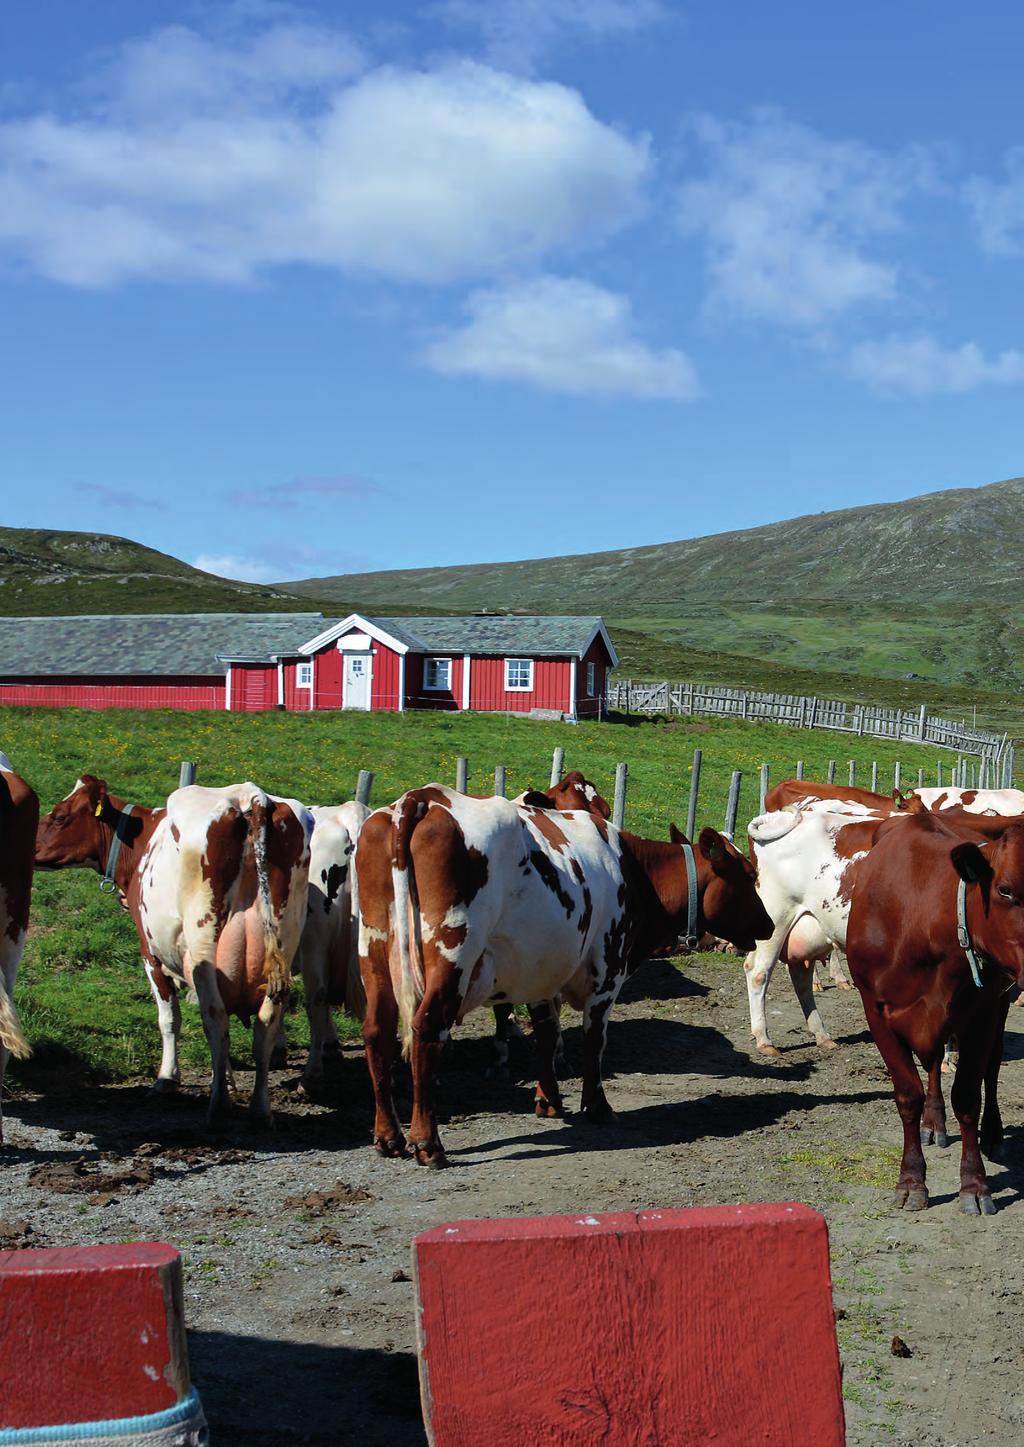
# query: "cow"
x,y
801,791
216,885
469,902
973,801
329,947
19,814
935,944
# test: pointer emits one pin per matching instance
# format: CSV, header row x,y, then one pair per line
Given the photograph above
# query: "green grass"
x,y
81,991
858,1165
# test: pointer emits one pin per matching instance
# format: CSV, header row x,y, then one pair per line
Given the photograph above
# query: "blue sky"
x,y
292,290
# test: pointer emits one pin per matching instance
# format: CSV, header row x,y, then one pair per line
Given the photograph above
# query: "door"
x,y
358,669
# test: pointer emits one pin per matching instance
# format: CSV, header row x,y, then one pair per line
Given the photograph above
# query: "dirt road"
x,y
296,1242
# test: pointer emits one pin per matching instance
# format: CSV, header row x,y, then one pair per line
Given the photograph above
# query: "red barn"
x,y
304,661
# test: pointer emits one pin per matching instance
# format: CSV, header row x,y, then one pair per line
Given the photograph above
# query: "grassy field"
x,y
81,992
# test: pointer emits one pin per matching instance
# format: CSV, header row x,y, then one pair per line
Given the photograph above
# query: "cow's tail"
x,y
12,1037
355,994
406,957
277,969
766,828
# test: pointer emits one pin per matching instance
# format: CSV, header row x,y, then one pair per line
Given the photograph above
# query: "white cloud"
x,y
921,367
997,208
517,33
785,216
563,335
228,565
217,162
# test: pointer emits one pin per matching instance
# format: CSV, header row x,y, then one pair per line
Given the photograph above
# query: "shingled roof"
x,y
538,637
147,643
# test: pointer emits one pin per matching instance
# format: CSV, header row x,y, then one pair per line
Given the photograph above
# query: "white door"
x,y
357,671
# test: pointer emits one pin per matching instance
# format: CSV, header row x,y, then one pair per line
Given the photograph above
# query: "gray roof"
x,y
148,643
536,637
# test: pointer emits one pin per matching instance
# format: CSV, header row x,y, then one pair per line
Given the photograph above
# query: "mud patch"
x,y
321,1203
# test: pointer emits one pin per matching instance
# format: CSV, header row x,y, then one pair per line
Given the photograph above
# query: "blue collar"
x,y
690,938
963,934
108,884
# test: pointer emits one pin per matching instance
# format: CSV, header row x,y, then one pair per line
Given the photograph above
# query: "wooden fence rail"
x,y
801,711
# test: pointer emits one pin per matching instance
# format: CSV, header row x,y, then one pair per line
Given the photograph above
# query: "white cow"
x,y
973,801
329,948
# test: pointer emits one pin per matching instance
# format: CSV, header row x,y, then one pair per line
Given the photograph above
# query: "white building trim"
x,y
354,620
280,684
573,666
401,683
227,689
466,663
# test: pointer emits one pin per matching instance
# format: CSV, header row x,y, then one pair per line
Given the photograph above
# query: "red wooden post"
x,y
675,1327
91,1333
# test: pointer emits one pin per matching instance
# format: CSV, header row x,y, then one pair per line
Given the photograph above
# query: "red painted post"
x,y
669,1327
91,1333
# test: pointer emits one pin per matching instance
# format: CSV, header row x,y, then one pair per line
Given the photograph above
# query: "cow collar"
x,y
963,934
108,884
690,938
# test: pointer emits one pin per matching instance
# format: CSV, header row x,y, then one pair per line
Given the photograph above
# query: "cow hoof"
x,y
843,985
599,1114
163,1085
934,1137
430,1155
994,1150
912,1198
826,1043
548,1109
818,988
976,1203
767,1049
391,1146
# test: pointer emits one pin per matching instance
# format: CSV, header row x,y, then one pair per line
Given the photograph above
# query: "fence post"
x,y
557,765
957,772
920,723
691,813
619,806
938,773
733,805
874,776
764,786
187,774
799,768
920,778
462,775
803,710
853,773
831,771
364,784
896,775
499,780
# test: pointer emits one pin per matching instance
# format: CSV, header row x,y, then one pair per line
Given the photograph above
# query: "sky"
x,y
293,290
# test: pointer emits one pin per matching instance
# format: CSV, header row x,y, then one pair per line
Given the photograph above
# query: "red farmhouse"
x,y
304,661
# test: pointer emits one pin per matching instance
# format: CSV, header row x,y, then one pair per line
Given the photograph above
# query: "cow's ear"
x,y
969,862
712,846
676,836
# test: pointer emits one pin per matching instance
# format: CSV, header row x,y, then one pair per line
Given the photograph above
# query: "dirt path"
x,y
296,1286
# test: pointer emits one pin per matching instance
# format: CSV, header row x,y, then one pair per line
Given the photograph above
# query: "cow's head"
x,y
908,803
577,792
73,832
730,905
998,869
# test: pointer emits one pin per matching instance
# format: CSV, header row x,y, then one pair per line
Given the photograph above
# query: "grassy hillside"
x,y
929,588
81,991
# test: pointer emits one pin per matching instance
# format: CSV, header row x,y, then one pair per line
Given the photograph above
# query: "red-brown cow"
x,y
796,791
908,954
19,814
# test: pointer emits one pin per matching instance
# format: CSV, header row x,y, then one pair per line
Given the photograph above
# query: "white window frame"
x,y
301,682
519,687
435,687
591,679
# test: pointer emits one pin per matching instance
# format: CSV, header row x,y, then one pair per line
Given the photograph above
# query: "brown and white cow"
x,y
911,966
1004,802
216,885
470,902
801,791
19,813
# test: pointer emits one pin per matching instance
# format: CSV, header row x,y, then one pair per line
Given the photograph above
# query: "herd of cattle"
x,y
441,903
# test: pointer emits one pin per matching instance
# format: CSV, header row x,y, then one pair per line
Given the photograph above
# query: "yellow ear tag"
x,y
99,809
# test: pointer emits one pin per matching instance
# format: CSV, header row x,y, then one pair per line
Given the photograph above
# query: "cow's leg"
x,y
318,1013
265,1035
991,1134
950,1055
547,1035
594,1103
506,1028
10,954
803,985
215,1023
965,1097
757,969
431,1027
279,1050
933,1117
168,1014
380,1040
837,970
911,1191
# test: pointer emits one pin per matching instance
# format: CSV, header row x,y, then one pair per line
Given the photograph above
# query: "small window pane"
x,y
591,672
438,673
519,673
305,675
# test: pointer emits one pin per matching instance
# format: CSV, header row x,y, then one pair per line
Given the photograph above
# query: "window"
x,y
304,675
437,673
518,674
591,679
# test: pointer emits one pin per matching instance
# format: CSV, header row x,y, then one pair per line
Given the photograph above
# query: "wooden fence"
x,y
801,711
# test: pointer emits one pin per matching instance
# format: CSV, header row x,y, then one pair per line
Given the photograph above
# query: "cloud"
x,y
228,565
561,334
220,160
517,33
786,216
307,489
114,497
919,366
997,208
